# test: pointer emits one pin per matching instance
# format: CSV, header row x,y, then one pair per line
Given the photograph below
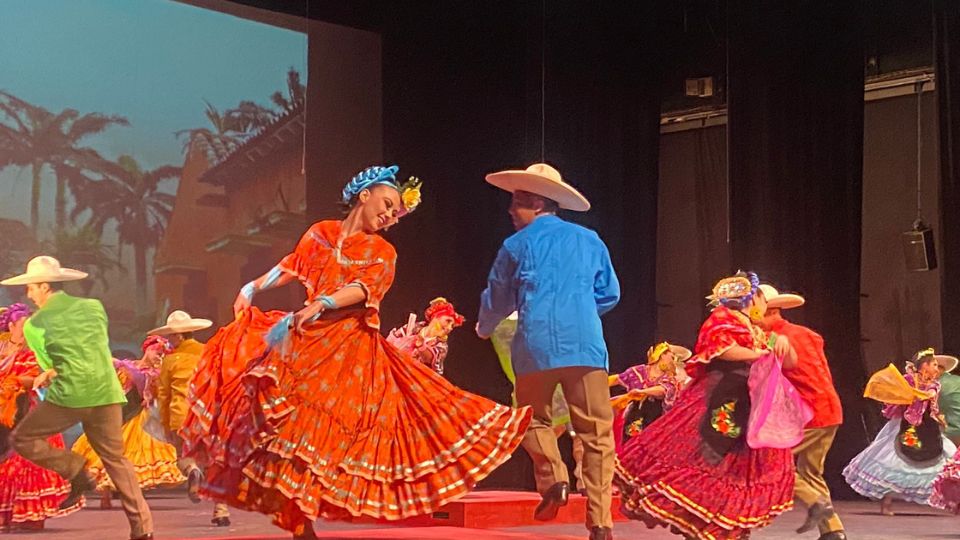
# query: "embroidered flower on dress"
x,y
722,420
910,439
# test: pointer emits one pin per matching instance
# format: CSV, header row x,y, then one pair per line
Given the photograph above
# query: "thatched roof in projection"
x,y
284,133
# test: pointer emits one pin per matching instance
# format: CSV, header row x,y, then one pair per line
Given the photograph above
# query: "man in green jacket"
x,y
69,337
949,399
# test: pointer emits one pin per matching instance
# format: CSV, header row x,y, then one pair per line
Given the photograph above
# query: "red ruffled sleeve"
x,y
722,330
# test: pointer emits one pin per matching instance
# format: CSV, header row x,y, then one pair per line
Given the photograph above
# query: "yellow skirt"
x,y
154,461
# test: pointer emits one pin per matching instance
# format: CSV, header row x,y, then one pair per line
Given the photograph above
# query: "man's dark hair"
x,y
55,286
550,205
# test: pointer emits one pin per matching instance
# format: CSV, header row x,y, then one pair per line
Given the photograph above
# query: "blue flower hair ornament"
x,y
376,175
367,178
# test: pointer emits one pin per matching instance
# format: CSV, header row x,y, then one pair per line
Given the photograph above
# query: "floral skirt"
x,y
879,470
154,461
30,493
336,423
666,481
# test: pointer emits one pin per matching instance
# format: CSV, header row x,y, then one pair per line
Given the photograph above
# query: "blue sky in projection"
x,y
152,61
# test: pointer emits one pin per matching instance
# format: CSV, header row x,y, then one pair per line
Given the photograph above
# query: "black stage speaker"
x,y
918,249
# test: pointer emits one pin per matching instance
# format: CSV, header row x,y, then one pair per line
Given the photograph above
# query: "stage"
x,y
178,519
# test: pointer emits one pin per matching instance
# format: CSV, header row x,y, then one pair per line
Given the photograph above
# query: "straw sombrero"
x,y
776,299
947,362
44,269
541,179
180,322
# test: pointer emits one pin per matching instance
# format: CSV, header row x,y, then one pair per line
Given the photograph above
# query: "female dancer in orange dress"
x,y
314,414
29,494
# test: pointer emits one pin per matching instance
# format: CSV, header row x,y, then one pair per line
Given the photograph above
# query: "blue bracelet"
x,y
328,302
248,290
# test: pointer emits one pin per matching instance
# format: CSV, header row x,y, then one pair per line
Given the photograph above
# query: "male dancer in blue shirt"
x,y
559,277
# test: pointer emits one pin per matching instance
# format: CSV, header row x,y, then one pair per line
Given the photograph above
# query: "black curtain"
x,y
947,45
462,98
796,147
692,249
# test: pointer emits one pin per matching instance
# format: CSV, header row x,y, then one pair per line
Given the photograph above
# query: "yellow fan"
x,y
620,402
889,386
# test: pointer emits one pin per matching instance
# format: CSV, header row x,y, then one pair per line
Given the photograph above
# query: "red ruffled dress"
x,y
691,470
336,422
28,493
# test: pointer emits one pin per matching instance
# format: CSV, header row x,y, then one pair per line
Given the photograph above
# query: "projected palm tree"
x,y
31,136
230,128
132,198
296,93
227,130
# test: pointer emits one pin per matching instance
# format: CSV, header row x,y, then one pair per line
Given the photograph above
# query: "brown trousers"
x,y
810,487
588,397
102,426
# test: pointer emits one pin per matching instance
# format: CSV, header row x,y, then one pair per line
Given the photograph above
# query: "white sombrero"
x,y
681,353
541,179
947,362
775,299
44,269
180,322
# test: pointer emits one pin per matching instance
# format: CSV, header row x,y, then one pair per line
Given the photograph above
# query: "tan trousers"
x,y
588,397
810,487
102,426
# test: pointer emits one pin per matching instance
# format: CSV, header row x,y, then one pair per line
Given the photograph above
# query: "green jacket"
x,y
69,334
949,402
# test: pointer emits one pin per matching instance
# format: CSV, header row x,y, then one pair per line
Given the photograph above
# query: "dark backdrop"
x,y
947,44
796,147
464,99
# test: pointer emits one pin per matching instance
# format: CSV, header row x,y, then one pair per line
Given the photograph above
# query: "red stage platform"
x,y
415,533
500,509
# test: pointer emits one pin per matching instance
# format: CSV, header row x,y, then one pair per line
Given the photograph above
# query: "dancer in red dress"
x,y
692,470
323,418
28,494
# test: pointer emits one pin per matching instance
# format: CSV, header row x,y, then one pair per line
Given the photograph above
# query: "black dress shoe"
x,y
833,535
148,536
601,533
815,514
79,485
223,521
553,499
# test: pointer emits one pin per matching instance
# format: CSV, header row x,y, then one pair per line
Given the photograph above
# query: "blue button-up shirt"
x,y
559,277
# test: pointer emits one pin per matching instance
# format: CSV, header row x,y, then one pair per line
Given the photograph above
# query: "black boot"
x,y
833,535
815,514
601,533
79,485
553,499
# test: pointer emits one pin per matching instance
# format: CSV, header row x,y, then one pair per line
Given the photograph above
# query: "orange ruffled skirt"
x,y
336,423
154,461
30,493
